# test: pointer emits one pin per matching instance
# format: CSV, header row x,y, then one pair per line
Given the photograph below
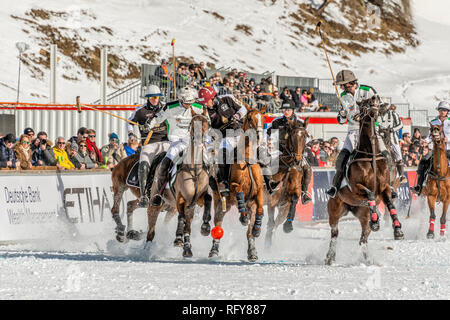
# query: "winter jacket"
x,y
24,156
6,155
46,156
350,105
62,158
112,155
92,147
129,150
82,158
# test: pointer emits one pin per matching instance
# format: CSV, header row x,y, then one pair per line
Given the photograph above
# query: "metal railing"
x,y
130,94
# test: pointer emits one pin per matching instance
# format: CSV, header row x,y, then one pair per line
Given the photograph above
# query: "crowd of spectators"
x,y
322,153
413,148
78,152
246,89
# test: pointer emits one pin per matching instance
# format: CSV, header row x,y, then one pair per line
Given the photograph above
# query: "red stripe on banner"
x,y
71,109
311,120
305,212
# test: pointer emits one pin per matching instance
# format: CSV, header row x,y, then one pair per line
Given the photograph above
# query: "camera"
x,y
43,141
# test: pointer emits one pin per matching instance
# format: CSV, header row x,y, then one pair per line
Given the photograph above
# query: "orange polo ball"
x,y
217,233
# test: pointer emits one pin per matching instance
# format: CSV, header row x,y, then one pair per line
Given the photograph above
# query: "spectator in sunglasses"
x,y
23,152
113,152
80,157
7,156
94,151
60,154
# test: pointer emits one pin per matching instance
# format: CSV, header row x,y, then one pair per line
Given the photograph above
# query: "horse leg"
x,y
336,208
363,214
374,223
218,219
287,226
181,223
206,228
256,228
120,228
270,225
444,217
152,215
431,203
252,254
398,233
243,218
132,234
187,252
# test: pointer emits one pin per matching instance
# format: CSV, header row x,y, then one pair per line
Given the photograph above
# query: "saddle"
x,y
133,177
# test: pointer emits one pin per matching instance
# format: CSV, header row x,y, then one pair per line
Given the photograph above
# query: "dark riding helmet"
x,y
288,104
345,76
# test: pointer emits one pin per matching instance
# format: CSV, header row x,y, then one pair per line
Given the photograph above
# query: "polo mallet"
x,y
79,106
329,64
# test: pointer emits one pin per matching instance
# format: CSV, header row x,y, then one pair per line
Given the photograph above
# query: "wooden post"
x,y
174,70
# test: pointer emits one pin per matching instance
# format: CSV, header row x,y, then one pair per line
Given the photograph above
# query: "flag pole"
x,y
174,70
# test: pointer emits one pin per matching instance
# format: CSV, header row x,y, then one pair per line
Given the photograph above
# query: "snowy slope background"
x,y
257,37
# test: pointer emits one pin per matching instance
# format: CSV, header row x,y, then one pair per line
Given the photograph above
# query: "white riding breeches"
x,y
351,141
177,147
149,151
395,147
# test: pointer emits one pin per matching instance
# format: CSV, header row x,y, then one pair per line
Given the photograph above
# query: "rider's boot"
x,y
400,170
306,179
420,177
143,170
162,178
272,186
224,177
341,161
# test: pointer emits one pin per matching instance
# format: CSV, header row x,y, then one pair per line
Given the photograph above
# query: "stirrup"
x,y
332,192
143,203
157,200
306,198
416,190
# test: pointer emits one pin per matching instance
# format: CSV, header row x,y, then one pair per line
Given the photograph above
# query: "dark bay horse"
x,y
246,187
119,176
438,182
368,184
191,187
290,175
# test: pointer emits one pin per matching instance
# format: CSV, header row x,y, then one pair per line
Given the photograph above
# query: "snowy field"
x,y
101,268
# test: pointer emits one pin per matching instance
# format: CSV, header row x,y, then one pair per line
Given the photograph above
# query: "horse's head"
x,y
437,133
199,124
369,108
255,120
296,138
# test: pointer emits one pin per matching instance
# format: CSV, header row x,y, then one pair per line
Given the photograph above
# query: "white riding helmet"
x,y
153,91
443,105
188,95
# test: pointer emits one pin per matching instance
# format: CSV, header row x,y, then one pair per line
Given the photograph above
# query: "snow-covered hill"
x,y
405,59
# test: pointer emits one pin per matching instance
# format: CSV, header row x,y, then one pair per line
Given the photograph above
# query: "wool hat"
x,y
113,136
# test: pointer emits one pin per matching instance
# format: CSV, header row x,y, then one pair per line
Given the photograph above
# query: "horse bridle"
x,y
289,146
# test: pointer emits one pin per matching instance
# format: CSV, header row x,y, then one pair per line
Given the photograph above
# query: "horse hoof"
x,y
121,239
252,257
398,234
256,231
430,235
205,229
374,226
134,235
287,227
178,242
187,253
213,254
243,218
329,261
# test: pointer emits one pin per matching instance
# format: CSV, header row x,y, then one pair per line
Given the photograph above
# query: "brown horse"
x,y
119,176
247,181
190,188
433,190
290,175
368,184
